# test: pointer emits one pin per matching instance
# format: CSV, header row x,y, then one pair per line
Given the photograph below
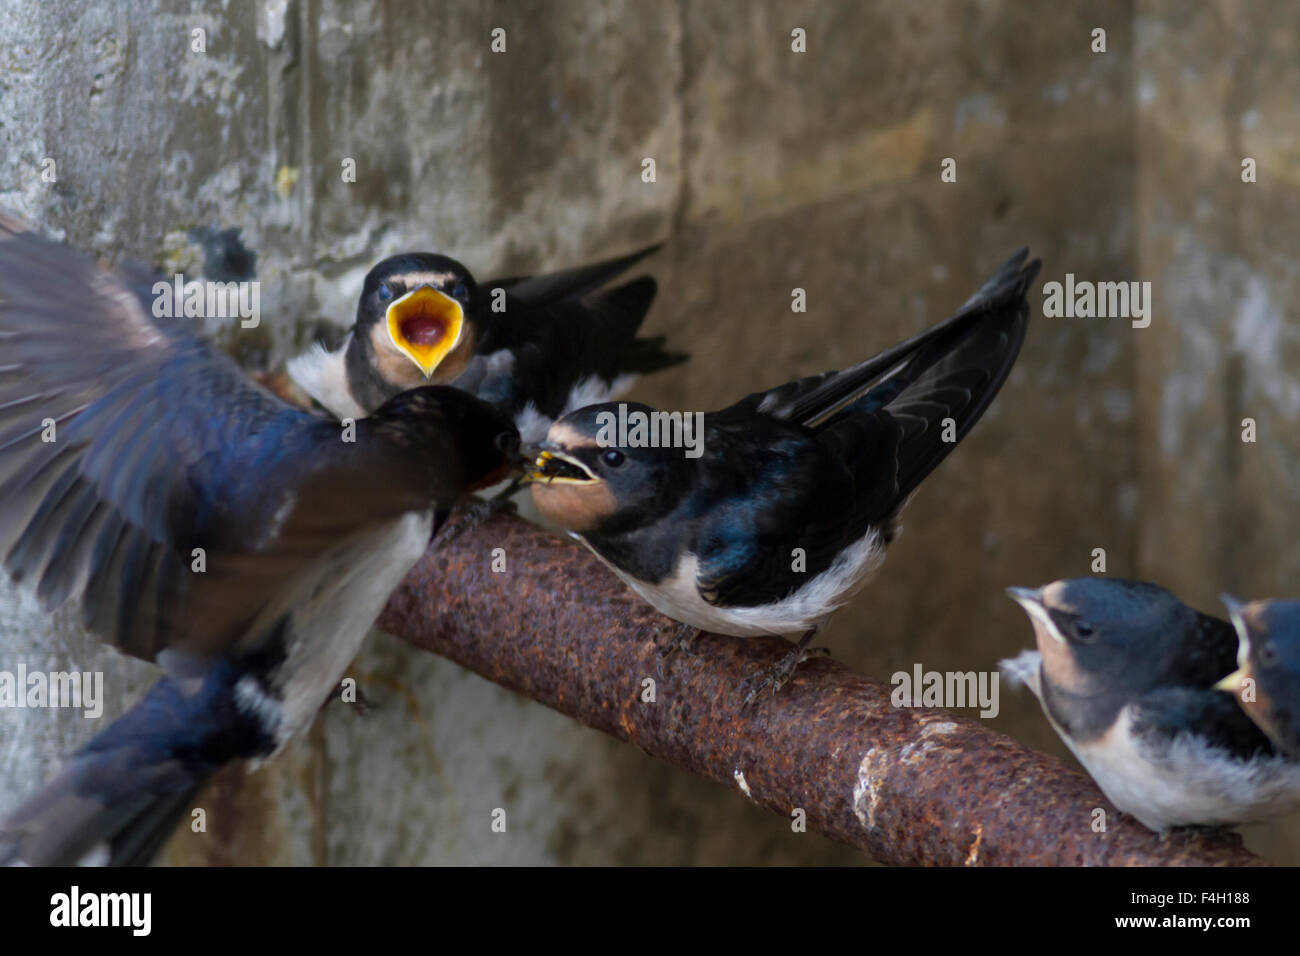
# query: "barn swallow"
x,y
1267,680
796,491
244,545
536,346
1126,674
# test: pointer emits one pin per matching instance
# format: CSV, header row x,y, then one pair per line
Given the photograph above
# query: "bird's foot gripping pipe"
x,y
774,678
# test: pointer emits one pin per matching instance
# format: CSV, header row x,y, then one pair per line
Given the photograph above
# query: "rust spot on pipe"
x,y
908,786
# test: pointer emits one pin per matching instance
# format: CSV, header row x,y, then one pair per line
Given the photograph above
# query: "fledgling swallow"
x,y
1266,682
1126,675
244,545
535,346
797,490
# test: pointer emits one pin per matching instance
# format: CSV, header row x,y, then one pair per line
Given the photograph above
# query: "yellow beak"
x,y
1232,683
536,474
425,325
551,469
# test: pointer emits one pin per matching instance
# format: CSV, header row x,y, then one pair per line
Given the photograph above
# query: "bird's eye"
x,y
1082,629
613,458
385,292
460,292
1268,655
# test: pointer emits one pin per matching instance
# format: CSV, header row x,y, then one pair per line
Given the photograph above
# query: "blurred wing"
x,y
125,443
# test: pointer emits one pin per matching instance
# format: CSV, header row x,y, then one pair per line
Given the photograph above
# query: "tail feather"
x,y
574,283
618,314
117,801
943,390
67,822
813,400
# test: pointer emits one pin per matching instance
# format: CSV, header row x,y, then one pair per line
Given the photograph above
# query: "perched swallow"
x,y
244,545
1267,680
796,491
1126,673
536,346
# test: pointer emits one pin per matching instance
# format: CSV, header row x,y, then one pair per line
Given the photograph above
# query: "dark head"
x,y
1267,679
466,443
415,319
1107,635
586,481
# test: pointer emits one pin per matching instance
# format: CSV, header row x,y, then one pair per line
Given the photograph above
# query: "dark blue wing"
x,y
852,445
564,328
125,443
1212,715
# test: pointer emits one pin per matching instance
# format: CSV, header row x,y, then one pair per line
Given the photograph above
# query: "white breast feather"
x,y
533,425
322,374
1023,669
678,595
327,630
1185,780
594,390
1175,782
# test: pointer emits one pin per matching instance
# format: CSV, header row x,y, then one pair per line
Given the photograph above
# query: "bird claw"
x,y
683,639
776,676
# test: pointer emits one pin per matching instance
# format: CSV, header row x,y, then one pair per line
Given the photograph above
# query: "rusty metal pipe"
x,y
907,786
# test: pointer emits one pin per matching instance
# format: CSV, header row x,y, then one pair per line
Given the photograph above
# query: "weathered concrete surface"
x,y
1220,514
774,170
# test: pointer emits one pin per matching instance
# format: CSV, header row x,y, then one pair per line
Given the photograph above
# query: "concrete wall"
x,y
775,170
1216,85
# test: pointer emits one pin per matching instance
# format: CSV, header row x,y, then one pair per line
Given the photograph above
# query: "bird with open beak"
x,y
787,503
535,346
1266,682
244,545
1126,675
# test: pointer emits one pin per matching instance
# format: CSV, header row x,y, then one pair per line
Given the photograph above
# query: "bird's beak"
x,y
530,455
1031,599
425,325
1233,682
555,467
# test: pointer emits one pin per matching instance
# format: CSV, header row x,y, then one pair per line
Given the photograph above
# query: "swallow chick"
x,y
791,496
535,346
1266,682
244,545
1126,675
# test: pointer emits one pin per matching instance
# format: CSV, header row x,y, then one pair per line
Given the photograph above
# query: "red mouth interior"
x,y
424,329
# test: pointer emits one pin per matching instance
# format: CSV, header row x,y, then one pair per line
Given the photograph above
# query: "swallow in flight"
x,y
244,545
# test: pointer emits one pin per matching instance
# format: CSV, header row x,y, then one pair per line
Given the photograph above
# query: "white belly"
x,y
678,595
1184,782
1187,781
327,631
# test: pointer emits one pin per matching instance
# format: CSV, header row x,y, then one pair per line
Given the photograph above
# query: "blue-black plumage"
x,y
243,544
535,346
796,491
1126,675
1266,682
